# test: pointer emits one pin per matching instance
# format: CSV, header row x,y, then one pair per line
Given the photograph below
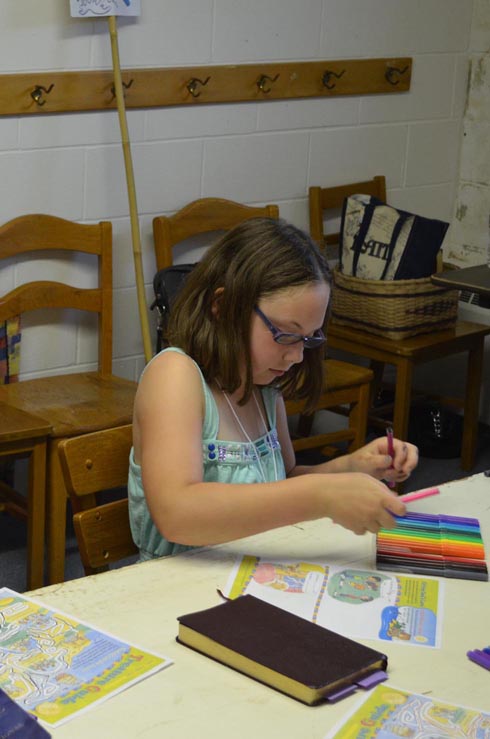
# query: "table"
x,y
197,697
475,279
25,435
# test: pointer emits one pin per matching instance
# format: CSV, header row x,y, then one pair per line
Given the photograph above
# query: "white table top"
x,y
197,697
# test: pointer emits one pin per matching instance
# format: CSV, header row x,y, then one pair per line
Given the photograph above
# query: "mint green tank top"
x,y
223,461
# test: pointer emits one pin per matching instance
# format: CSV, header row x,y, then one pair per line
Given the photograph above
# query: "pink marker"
x,y
391,452
419,494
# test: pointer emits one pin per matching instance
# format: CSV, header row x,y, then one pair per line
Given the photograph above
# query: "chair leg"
x,y
471,406
358,417
56,516
36,515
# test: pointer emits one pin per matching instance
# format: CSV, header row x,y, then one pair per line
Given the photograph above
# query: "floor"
x,y
430,472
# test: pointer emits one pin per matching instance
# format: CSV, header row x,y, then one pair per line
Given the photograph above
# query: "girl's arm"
x,y
168,444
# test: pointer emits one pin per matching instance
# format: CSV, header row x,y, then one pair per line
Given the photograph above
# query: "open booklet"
x,y
360,604
55,666
389,713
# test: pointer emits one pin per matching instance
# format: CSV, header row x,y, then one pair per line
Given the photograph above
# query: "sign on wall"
x,y
96,8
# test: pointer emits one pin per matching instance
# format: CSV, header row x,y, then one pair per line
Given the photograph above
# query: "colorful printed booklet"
x,y
55,666
389,713
357,603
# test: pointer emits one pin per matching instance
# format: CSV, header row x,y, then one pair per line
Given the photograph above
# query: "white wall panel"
x,y
350,154
166,174
42,181
263,167
266,29
433,152
77,129
203,120
318,113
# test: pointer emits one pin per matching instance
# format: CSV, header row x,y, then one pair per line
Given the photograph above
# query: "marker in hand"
x,y
419,494
391,452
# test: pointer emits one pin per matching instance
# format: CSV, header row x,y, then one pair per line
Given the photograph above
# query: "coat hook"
x,y
193,85
126,86
391,72
327,75
37,93
262,81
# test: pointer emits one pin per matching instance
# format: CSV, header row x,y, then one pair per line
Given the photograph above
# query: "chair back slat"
x,y
57,239
323,199
93,463
201,216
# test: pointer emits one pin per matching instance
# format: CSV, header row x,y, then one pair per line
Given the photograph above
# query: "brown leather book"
x,y
295,656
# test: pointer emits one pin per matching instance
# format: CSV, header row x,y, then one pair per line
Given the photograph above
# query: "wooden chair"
x,y
200,217
346,383
404,354
77,403
91,464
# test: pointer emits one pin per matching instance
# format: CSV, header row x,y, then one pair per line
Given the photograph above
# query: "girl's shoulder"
x,y
171,357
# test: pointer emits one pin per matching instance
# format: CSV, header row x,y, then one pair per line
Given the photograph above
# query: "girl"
x,y
212,459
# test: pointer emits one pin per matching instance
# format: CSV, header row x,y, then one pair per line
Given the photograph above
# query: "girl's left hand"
x,y
373,458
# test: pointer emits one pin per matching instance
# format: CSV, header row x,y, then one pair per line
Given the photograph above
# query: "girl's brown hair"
x,y
259,257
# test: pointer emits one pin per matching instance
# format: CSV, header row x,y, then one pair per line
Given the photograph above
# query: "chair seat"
x,y
340,374
341,379
347,391
74,404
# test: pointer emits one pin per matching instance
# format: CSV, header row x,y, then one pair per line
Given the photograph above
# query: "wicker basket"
x,y
394,309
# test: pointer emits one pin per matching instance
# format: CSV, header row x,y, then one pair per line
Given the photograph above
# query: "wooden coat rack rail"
x,y
57,92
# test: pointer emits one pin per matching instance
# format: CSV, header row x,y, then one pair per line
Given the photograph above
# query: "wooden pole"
x,y
133,208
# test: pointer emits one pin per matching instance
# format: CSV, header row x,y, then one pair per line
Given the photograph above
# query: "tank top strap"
x,y
211,416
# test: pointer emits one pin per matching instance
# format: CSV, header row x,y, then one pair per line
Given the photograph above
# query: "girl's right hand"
x,y
361,503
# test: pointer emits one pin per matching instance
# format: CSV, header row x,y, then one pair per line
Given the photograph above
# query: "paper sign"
x,y
96,8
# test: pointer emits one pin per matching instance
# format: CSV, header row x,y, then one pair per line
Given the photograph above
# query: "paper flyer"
x,y
389,713
358,603
97,8
55,666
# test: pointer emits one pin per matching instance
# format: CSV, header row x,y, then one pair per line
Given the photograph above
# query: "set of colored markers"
x,y
433,544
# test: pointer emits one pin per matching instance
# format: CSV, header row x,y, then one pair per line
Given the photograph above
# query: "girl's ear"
x,y
218,294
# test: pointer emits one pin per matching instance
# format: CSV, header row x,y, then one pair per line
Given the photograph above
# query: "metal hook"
x,y
193,85
391,72
126,86
327,75
37,93
263,79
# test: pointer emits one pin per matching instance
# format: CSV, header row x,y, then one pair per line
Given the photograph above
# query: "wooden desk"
x,y
197,697
24,435
475,279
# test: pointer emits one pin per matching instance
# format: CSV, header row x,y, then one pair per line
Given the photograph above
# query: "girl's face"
x,y
297,310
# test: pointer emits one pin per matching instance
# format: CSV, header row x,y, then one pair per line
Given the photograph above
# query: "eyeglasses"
x,y
309,342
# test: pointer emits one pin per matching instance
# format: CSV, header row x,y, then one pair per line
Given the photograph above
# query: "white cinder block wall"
x,y
72,165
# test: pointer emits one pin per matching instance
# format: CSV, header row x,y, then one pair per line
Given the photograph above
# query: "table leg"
x,y
56,517
36,504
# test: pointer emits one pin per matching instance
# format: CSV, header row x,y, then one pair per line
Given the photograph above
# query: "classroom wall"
x,y
469,241
71,165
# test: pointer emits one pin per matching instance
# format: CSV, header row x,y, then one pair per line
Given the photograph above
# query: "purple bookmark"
x,y
367,682
374,679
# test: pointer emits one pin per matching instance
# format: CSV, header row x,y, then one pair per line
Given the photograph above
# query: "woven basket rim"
x,y
383,283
